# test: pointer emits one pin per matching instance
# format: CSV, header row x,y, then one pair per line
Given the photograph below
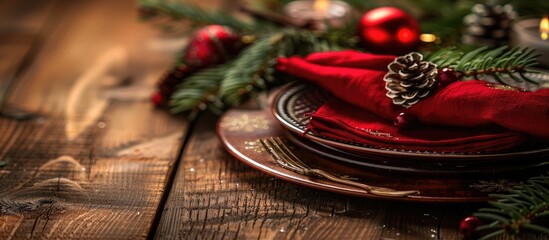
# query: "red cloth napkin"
x,y
339,120
357,78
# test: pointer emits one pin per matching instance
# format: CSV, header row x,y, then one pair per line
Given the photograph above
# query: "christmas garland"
x,y
196,86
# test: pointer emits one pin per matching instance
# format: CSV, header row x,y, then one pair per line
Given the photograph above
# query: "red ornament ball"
x,y
211,45
468,226
389,30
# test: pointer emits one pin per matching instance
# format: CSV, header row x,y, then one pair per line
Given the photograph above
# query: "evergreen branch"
x,y
254,68
445,57
524,208
500,64
179,11
249,70
199,91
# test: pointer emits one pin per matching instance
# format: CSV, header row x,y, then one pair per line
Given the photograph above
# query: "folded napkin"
x,y
339,120
357,78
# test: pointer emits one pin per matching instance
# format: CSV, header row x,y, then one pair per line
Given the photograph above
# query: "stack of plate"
x,y
292,104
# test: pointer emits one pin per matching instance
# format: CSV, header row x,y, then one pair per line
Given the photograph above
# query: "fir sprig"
x,y
524,208
194,15
229,84
250,73
505,65
199,91
253,70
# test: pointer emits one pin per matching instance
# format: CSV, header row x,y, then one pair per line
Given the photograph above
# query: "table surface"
x,y
100,162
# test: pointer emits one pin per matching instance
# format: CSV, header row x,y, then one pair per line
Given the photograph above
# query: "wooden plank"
x,y
24,16
21,26
215,196
95,164
14,49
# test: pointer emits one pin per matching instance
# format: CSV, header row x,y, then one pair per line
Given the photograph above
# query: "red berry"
x,y
447,76
168,83
157,99
468,226
405,120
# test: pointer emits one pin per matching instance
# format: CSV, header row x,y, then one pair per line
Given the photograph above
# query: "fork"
x,y
284,157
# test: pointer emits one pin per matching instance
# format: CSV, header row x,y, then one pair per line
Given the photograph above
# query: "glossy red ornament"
x,y
211,45
389,30
468,226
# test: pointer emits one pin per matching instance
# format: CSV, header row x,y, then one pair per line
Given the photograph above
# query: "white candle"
x,y
526,33
319,13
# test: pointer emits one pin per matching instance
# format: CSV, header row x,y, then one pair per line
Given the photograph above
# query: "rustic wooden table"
x,y
100,162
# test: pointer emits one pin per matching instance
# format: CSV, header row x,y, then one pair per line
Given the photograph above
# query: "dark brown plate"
x,y
411,167
292,103
240,130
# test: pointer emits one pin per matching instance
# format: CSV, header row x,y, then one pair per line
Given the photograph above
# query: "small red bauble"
x,y
157,99
468,226
405,120
447,76
211,45
389,30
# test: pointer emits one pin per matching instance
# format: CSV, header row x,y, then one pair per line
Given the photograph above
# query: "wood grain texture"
x,y
216,197
90,166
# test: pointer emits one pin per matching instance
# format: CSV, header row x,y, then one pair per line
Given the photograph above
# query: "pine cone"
x,y
488,24
409,79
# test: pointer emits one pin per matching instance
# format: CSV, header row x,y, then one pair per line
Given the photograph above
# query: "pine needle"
x,y
196,16
248,74
253,70
200,91
503,65
524,208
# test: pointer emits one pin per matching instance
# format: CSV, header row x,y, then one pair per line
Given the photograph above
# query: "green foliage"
x,y
524,208
199,91
251,72
252,69
176,12
505,65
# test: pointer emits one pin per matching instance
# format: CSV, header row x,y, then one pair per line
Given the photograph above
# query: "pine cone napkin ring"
x,y
410,79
